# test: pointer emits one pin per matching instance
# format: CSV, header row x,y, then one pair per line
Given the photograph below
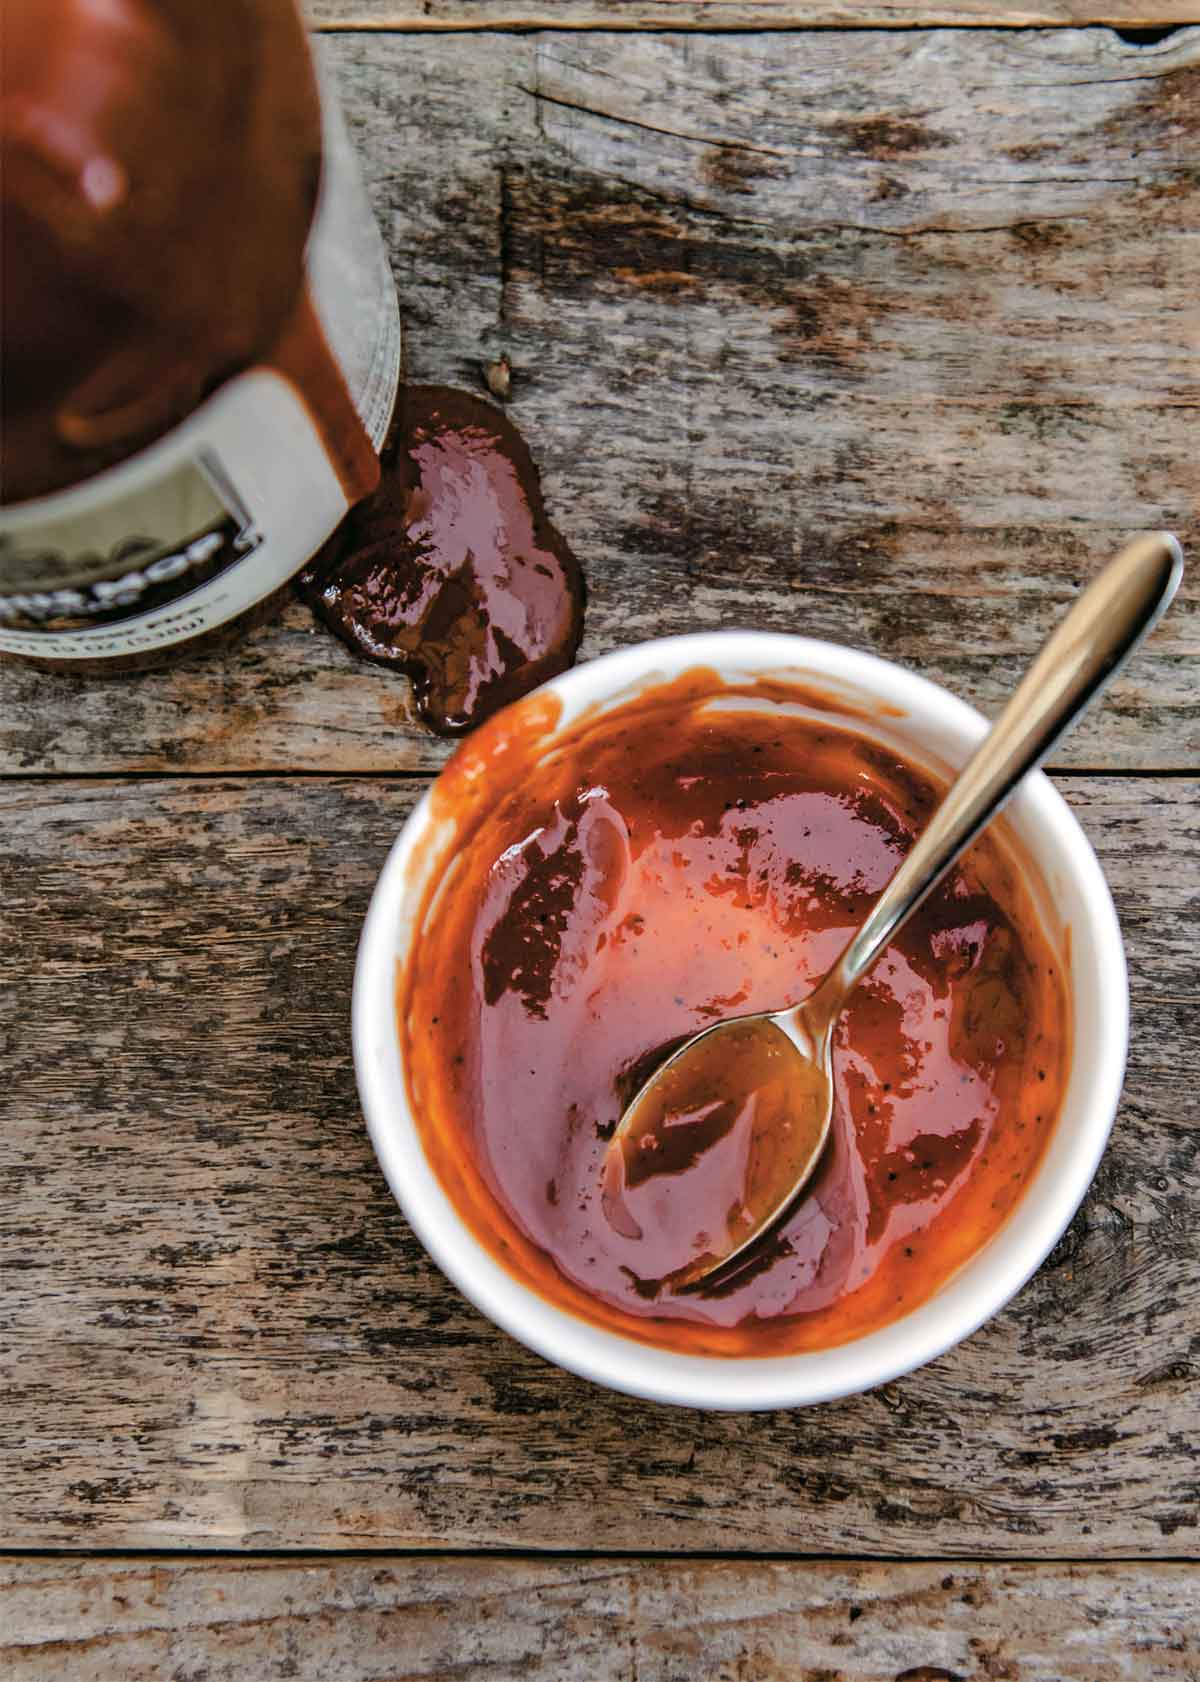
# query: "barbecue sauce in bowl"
x,y
697,852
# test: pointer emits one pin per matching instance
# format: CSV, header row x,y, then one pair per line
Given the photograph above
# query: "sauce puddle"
x,y
451,571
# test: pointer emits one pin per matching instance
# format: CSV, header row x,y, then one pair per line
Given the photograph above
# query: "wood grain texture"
x,y
742,14
594,1621
888,337
216,1329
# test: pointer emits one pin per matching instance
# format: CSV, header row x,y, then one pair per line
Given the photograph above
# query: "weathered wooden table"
x,y
886,334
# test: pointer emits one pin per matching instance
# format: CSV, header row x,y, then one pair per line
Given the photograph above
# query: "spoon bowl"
x,y
763,1081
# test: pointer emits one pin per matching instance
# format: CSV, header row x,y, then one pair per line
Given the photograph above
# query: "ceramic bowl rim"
x,y
1057,846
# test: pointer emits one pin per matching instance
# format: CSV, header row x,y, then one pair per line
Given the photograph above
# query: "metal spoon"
x,y
782,1059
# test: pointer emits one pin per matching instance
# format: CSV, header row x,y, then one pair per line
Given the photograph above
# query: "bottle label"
x,y
169,544
220,512
137,554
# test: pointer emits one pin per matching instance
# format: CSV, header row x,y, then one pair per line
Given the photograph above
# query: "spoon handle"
x,y
1098,635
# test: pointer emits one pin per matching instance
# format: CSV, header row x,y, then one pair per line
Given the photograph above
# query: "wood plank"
x,y
886,337
743,14
216,1329
575,1621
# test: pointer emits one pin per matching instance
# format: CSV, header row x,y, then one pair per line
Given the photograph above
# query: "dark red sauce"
x,y
672,864
452,571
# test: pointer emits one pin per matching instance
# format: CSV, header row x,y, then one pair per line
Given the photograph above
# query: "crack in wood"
x,y
504,239
855,17
725,143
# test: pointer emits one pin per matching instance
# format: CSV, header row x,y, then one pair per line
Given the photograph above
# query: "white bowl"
x,y
933,729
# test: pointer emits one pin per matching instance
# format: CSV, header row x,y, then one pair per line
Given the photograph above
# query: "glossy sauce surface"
x,y
712,1148
650,874
452,571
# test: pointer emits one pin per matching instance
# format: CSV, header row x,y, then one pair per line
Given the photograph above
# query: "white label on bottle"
x,y
176,540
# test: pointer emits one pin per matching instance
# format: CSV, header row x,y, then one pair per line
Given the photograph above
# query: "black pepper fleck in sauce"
x,y
451,571
668,863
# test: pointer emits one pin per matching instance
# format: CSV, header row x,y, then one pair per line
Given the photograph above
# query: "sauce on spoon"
x,y
696,1171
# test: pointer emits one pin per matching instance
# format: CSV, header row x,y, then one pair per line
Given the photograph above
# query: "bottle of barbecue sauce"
x,y
198,328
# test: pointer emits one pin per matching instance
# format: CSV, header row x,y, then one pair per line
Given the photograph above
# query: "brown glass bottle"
x,y
199,332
